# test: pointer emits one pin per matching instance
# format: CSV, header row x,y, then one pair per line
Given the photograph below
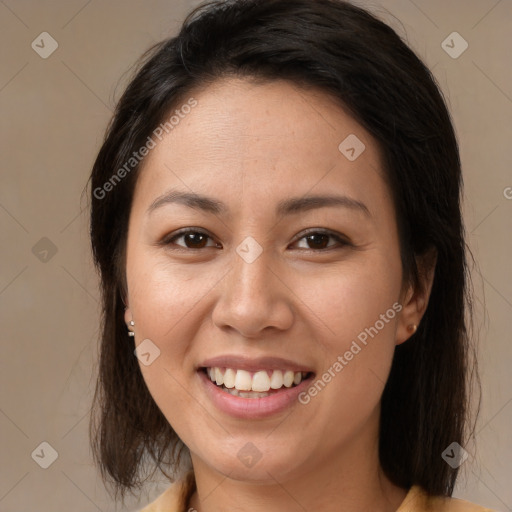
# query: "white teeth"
x,y
243,381
260,381
276,381
247,394
219,378
252,385
229,378
288,378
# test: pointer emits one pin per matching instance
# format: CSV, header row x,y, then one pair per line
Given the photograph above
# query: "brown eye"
x,y
195,240
192,239
320,240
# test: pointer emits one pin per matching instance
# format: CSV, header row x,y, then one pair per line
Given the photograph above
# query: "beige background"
x,y
54,112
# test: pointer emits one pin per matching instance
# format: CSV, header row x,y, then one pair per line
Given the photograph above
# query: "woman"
x,y
276,221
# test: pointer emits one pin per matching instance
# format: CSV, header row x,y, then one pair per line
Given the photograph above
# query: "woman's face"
x,y
270,281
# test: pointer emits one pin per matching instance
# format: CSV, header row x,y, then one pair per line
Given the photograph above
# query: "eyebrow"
x,y
285,207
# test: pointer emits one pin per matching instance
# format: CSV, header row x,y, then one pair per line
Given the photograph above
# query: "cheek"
x,y
357,312
348,301
336,305
165,301
165,294
340,308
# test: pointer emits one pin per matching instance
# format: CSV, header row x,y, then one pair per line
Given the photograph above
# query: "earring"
x,y
412,327
130,331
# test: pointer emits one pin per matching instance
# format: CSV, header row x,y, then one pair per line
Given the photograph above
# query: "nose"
x,y
253,298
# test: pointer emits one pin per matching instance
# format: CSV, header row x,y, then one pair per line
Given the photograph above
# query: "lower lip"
x,y
252,408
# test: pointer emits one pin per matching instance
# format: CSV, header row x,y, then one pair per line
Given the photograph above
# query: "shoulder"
x,y
175,499
176,496
417,500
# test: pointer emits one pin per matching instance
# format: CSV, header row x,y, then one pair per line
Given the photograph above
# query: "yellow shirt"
x,y
176,498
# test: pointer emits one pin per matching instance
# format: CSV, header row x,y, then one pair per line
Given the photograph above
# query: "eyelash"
x,y
342,241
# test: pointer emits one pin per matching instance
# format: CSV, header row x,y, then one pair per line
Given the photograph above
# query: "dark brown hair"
x,y
346,52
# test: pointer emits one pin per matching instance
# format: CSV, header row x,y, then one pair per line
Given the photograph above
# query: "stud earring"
x,y
412,327
130,331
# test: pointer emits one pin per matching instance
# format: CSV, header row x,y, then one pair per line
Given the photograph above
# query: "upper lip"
x,y
254,364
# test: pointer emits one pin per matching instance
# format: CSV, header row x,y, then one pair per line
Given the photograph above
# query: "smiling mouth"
x,y
259,384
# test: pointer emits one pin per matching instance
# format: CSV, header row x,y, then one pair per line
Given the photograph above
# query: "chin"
x,y
257,465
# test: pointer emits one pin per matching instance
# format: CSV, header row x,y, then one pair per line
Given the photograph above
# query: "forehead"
x,y
271,139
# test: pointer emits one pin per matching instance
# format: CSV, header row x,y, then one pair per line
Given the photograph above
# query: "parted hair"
x,y
346,52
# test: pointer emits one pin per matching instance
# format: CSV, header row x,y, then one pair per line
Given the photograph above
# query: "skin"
x,y
251,145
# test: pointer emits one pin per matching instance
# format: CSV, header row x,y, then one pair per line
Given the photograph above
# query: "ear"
x,y
414,299
127,315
